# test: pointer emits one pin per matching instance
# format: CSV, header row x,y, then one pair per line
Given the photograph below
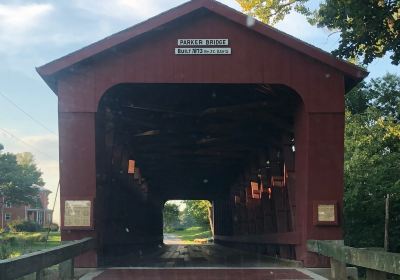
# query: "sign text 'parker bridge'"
x,y
203,47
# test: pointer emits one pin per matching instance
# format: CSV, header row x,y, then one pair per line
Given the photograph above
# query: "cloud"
x,y
140,8
129,10
22,17
18,21
122,9
42,139
47,143
297,25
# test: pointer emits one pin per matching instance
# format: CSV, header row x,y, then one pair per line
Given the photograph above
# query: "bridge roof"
x,y
352,73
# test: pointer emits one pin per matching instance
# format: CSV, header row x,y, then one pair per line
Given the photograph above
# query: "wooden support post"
x,y
66,270
31,276
375,275
386,241
40,275
338,270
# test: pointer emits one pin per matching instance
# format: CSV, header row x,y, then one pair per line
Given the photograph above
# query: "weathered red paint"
x,y
260,55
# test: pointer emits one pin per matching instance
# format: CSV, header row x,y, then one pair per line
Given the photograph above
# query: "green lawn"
x,y
16,244
188,235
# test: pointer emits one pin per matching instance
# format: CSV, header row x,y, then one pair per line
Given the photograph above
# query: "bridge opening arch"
x,y
188,222
233,144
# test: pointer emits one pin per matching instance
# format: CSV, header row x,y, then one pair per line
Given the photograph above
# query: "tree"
x,y
272,11
29,169
384,94
198,212
357,100
171,216
18,172
368,28
380,93
372,160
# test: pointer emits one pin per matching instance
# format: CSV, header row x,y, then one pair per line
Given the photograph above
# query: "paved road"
x,y
201,262
208,274
171,239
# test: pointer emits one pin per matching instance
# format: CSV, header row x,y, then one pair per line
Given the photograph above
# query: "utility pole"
x,y
386,241
2,212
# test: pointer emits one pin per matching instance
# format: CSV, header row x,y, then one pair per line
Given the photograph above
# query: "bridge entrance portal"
x,y
198,104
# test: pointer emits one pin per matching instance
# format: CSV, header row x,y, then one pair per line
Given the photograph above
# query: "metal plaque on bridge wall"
x,y
77,213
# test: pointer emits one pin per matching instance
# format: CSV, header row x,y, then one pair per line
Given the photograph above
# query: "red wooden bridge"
x,y
195,103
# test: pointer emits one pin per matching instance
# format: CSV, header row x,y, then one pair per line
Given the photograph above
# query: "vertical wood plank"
x,y
375,275
386,241
40,275
66,270
338,270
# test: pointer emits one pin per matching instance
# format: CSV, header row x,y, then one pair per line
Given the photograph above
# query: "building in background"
x,y
38,213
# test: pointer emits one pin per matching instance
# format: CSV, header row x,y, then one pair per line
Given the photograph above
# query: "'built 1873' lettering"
x,y
202,51
203,42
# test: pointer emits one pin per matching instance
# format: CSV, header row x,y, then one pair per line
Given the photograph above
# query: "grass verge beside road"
x,y
189,235
15,244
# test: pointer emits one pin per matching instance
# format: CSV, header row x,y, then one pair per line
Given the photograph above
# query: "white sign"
x,y
203,47
203,42
203,51
77,213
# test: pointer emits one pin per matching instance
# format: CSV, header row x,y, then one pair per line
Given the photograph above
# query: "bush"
x,y
30,238
24,226
5,250
12,240
43,238
54,227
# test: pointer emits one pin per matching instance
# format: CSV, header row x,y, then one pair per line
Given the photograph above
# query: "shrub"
x,y
43,238
5,250
31,237
12,240
54,227
24,226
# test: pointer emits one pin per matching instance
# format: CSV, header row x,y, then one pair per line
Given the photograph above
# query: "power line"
x,y
25,143
27,114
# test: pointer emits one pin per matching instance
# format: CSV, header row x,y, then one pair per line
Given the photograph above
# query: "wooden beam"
x,y
368,258
234,108
290,238
37,261
148,133
159,111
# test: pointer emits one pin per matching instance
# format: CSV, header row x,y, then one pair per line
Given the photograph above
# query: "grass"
x,y
15,244
188,235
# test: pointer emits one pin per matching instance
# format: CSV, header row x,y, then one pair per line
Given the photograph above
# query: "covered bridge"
x,y
200,102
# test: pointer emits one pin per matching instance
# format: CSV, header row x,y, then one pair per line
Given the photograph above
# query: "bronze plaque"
x,y
77,213
326,213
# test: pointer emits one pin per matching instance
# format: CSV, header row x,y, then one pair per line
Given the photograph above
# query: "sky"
x,y
34,32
